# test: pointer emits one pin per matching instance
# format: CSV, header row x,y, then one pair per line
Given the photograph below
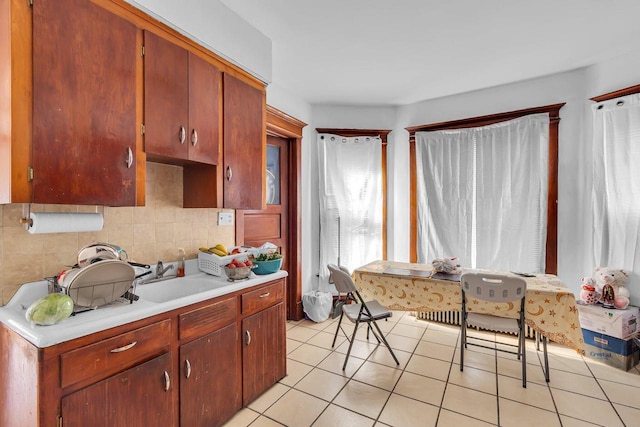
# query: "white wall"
x,y
560,88
575,256
216,27
230,36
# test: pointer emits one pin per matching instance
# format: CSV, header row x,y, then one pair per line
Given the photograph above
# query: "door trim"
x,y
284,126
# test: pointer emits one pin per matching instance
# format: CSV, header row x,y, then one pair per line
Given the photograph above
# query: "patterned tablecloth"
x,y
550,307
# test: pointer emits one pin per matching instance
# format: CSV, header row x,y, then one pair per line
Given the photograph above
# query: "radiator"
x,y
453,318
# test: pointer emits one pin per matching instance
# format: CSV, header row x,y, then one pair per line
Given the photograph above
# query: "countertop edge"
x,y
13,314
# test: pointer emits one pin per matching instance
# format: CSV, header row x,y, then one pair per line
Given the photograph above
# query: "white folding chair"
x,y
358,311
499,289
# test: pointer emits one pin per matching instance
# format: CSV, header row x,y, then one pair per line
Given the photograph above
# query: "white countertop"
x,y
114,314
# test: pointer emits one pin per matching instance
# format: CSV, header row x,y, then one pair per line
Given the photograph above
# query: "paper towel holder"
x,y
26,220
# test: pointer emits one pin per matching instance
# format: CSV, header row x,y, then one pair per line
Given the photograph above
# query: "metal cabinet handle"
x,y
167,381
229,173
183,134
248,334
194,137
266,294
187,368
129,160
124,348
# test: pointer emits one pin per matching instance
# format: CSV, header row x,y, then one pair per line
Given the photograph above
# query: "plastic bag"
x,y
317,305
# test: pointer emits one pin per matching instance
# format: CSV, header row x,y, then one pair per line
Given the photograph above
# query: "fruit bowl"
x,y
267,267
237,273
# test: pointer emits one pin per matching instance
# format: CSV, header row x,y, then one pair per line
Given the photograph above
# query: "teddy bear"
x,y
588,293
611,285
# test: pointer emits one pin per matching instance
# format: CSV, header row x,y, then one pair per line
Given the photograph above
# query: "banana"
x,y
219,252
222,248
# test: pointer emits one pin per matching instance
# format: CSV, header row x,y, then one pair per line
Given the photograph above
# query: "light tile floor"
x,y
428,389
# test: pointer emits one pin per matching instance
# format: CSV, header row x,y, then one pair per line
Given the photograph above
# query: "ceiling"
x,y
384,52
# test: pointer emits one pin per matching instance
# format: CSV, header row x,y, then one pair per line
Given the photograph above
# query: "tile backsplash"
x,y
147,233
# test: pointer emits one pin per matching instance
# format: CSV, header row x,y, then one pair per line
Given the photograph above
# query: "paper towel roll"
x,y
59,222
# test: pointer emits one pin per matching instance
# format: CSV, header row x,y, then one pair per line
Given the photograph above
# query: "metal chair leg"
x,y
523,350
463,341
546,359
337,330
384,340
353,338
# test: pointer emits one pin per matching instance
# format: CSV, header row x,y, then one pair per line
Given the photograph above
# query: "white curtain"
x,y
616,183
350,184
482,194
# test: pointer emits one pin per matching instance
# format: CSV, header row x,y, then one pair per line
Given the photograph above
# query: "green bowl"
x,y
267,267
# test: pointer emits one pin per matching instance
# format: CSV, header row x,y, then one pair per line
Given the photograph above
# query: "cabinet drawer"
x,y
113,355
262,298
207,319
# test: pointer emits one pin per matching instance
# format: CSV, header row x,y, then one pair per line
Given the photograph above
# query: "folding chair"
x,y
500,289
358,311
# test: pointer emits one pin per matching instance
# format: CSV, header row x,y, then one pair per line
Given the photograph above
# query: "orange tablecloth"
x,y
550,307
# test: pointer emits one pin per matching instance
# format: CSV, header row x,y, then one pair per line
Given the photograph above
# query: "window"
x,y
352,197
616,181
550,245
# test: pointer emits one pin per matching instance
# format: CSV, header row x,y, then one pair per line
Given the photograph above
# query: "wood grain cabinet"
x,y
183,103
210,365
244,145
193,366
83,110
139,396
264,340
84,104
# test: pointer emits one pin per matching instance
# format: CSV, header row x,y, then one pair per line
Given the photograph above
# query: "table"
x,y
550,308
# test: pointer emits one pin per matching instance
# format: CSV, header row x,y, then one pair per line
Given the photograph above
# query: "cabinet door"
x,y
244,145
209,384
136,397
84,104
165,98
205,111
263,351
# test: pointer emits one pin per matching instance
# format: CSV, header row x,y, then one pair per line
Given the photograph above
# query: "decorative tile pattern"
x,y
148,233
428,389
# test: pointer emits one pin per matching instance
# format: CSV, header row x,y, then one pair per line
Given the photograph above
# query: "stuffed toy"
x,y
446,265
611,285
588,293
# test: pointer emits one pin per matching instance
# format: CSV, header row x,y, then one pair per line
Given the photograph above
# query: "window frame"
x,y
383,134
551,259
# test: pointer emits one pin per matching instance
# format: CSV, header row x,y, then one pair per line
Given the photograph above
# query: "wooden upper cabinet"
x,y
205,111
244,145
182,104
84,104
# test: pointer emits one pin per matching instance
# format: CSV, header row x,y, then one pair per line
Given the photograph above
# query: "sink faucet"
x,y
161,269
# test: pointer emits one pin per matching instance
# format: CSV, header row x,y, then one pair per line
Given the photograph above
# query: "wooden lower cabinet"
x,y
209,386
263,351
139,396
193,366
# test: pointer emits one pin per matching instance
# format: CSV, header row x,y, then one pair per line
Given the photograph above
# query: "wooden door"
x,y
244,149
205,111
136,397
255,227
84,104
166,96
209,386
263,352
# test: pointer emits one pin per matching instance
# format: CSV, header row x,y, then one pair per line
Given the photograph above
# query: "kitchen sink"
x,y
169,289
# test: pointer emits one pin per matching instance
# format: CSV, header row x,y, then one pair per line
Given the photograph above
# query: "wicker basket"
x,y
214,264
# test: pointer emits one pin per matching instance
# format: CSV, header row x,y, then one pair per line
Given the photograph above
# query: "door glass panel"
x,y
273,175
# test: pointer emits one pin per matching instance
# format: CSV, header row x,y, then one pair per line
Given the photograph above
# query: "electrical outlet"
x,y
225,218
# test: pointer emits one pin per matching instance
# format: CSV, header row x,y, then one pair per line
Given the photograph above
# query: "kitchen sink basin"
x,y
169,289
